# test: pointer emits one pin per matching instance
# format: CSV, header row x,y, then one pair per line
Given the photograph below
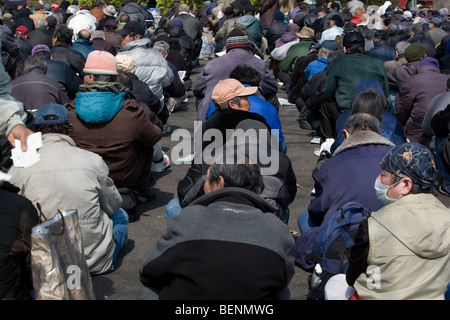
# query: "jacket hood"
x,y
50,138
406,217
94,104
141,43
132,8
247,19
235,195
288,37
176,32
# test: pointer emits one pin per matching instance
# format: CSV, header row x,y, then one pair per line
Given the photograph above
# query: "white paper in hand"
x,y
27,159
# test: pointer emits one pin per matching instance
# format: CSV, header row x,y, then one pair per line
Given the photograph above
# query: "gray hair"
x,y
34,62
401,46
225,105
247,176
42,24
98,34
362,122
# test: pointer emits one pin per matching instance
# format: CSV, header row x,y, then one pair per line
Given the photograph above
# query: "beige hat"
x,y
109,10
7,16
306,33
125,62
183,7
227,89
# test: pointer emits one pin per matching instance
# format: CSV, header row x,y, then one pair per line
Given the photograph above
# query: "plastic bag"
x,y
58,264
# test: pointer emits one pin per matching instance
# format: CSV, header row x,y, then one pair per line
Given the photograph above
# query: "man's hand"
x,y
21,133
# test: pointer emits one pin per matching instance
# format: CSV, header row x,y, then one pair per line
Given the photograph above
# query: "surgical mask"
x,y
382,189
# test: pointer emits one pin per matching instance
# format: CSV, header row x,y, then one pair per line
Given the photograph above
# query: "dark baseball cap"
x,y
51,109
354,39
328,44
132,27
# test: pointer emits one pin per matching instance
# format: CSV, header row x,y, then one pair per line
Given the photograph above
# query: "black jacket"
x,y
143,94
281,187
73,58
39,36
230,231
17,217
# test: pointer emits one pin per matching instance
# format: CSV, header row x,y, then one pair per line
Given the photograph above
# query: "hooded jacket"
x,y
253,26
409,253
183,262
124,135
134,11
283,44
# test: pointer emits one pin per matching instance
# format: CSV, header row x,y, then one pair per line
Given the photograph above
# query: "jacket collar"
x,y
237,196
50,138
362,138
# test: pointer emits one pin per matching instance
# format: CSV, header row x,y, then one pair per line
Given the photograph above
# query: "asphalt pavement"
x,y
123,283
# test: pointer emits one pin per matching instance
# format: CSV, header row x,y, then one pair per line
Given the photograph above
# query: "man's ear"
x,y
221,183
407,186
347,134
233,105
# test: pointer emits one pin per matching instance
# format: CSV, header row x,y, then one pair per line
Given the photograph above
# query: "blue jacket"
x,y
262,107
382,51
391,129
83,46
315,66
348,175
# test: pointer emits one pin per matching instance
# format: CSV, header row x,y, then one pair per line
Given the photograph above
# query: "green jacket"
x,y
294,52
344,74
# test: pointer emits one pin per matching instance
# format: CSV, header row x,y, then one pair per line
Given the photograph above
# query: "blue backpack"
x,y
335,238
332,246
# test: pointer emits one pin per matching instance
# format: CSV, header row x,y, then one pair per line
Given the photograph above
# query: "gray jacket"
x,y
151,67
67,177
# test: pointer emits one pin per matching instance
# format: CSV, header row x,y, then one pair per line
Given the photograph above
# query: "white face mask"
x,y
382,189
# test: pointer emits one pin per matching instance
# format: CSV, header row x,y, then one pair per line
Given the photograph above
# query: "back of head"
x,y
34,62
401,46
353,42
371,102
63,35
246,75
162,47
366,84
362,122
246,176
